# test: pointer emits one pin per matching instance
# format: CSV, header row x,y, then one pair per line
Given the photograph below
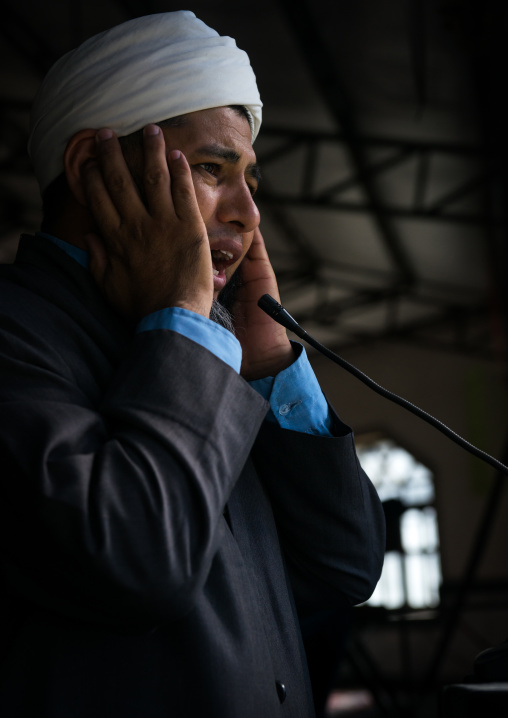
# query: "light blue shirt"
x,y
296,400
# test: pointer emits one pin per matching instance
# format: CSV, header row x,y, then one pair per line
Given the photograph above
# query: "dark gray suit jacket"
x,y
153,523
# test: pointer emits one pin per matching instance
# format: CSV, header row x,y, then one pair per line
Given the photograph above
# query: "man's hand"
x,y
147,257
265,345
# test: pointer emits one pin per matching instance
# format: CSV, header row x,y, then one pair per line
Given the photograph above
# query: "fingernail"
x,y
151,130
175,155
103,135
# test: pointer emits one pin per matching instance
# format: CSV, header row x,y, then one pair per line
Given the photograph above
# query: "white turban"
x,y
145,70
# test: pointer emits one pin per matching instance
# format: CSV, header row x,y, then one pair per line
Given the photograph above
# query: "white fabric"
x,y
145,70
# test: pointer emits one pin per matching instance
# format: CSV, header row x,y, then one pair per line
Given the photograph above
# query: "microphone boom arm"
x,y
282,316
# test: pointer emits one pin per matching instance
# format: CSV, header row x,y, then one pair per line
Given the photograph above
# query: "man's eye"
x,y
210,167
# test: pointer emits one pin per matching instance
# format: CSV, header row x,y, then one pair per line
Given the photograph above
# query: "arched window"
x,y
412,570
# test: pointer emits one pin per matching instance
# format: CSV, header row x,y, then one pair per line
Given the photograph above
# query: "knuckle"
x,y
155,176
185,195
117,182
96,201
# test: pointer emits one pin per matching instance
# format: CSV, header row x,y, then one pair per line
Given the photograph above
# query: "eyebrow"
x,y
226,153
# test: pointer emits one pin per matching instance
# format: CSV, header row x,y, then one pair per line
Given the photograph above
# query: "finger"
x,y
118,180
257,249
98,199
257,272
182,187
156,171
257,263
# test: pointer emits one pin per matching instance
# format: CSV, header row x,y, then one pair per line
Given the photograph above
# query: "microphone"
x,y
277,312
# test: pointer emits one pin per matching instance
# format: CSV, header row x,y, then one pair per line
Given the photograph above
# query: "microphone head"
x,y
277,312
268,304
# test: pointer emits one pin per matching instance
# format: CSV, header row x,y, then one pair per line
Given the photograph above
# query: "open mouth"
x,y
221,258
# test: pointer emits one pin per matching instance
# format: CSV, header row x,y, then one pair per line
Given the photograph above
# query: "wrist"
x,y
271,365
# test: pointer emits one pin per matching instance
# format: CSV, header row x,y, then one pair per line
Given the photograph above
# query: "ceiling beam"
x,y
426,157
386,212
323,67
295,136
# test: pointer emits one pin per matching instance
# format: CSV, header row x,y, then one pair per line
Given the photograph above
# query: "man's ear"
x,y
80,149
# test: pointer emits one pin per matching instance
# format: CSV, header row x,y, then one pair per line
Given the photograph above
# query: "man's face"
x,y
217,145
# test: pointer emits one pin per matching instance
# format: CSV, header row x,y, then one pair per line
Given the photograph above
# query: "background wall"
x,y
469,396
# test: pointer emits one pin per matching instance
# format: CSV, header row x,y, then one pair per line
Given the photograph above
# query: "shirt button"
x,y
281,691
284,409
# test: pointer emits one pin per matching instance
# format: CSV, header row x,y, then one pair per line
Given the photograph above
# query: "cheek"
x,y
205,198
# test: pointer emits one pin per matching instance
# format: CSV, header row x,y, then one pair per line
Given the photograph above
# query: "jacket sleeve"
x,y
112,511
328,514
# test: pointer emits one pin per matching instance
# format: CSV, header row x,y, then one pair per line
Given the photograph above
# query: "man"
x,y
172,495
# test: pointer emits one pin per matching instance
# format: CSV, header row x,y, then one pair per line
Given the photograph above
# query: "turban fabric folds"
x,y
145,70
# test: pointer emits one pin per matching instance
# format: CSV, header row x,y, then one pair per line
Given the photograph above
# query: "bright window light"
x,y
411,574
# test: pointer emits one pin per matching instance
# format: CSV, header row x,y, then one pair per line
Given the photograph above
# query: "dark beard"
x,y
221,311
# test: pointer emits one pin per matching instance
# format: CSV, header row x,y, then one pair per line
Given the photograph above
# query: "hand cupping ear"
x,y
146,258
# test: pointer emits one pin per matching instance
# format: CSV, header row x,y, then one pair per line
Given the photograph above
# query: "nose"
x,y
237,207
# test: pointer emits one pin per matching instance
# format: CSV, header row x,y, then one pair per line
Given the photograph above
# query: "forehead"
x,y
219,125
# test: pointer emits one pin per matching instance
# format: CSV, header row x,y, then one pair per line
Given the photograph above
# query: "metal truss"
x,y
453,322
459,326
424,155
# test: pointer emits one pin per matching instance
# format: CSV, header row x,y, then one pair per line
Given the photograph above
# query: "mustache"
x,y
224,233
